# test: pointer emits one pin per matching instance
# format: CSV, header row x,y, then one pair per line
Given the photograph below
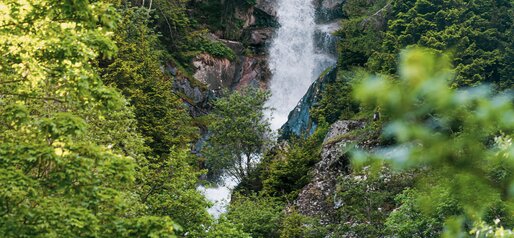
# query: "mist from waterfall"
x,y
294,59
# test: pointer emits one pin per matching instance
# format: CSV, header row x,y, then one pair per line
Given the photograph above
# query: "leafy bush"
x,y
336,100
296,225
451,132
365,200
288,170
258,216
409,221
223,228
217,49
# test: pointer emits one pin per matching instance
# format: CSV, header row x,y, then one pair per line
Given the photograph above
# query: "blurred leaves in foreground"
x,y
460,137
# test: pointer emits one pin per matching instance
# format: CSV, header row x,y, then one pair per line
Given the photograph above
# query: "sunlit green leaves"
x,y
66,138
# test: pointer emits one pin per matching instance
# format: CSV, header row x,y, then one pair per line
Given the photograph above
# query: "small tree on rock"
x,y
239,133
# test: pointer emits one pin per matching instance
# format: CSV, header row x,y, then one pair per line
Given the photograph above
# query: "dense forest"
x,y
114,112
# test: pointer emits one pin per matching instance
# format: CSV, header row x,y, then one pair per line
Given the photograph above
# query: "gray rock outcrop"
x,y
213,72
267,6
328,10
315,199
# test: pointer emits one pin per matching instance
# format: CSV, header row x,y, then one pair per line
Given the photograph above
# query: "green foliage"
x,y
296,225
136,71
360,32
262,216
336,100
197,43
483,230
258,216
220,16
223,228
409,221
173,19
168,188
285,169
366,198
67,139
216,49
414,218
239,133
288,168
182,34
450,131
479,33
166,180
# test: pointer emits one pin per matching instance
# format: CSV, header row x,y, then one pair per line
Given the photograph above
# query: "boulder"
x,y
213,72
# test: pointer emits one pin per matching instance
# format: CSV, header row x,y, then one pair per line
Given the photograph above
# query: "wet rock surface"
x,y
219,74
299,121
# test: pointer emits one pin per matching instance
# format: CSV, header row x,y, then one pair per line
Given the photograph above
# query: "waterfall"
x,y
219,195
300,51
296,59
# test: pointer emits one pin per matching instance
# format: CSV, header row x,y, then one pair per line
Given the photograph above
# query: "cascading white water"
x,y
299,52
219,195
294,60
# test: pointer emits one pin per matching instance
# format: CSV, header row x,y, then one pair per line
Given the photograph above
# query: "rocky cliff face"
x,y
215,73
219,74
328,10
195,96
250,66
300,121
316,199
212,75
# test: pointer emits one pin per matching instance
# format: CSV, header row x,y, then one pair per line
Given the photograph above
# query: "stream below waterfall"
x,y
299,52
